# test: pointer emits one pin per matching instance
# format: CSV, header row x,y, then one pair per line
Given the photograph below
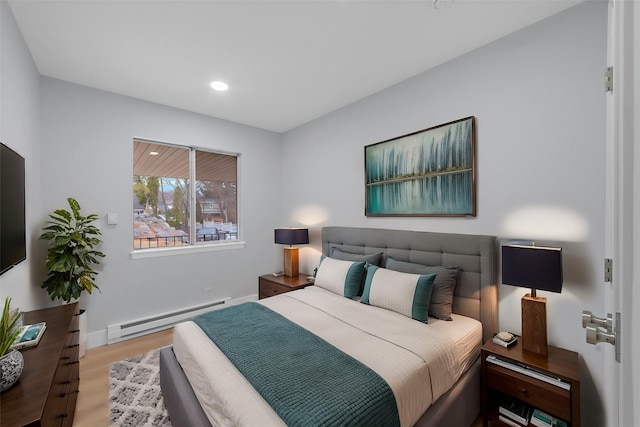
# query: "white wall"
x,y
538,99
87,144
77,142
20,130
539,102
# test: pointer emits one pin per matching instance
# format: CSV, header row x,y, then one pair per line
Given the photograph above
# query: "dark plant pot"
x,y
11,365
82,325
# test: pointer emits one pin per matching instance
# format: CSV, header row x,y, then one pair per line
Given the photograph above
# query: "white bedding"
x,y
419,362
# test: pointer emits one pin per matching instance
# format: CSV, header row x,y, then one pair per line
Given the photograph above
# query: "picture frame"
x,y
430,172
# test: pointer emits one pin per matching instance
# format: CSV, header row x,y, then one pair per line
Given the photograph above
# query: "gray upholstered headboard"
x,y
476,293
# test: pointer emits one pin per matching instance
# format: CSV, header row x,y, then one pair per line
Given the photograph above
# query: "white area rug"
x,y
135,399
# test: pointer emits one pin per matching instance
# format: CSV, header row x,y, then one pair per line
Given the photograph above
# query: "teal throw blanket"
x,y
306,380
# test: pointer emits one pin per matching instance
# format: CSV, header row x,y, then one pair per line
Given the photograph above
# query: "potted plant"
x,y
11,361
71,256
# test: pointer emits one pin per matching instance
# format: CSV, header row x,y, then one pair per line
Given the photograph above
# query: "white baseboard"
x,y
99,338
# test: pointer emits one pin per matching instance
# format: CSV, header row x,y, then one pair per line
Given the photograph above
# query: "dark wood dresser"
x,y
46,393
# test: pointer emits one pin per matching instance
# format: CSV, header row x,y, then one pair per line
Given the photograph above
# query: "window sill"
x,y
194,249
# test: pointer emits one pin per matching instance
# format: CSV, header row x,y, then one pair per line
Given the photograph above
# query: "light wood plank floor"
x,y
92,408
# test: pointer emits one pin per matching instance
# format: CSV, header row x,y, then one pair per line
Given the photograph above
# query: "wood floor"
x,y
92,408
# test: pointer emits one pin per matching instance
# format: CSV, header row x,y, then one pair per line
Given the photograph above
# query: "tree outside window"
x,y
163,196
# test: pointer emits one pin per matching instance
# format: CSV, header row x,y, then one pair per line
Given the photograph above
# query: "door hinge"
x,y
608,79
608,270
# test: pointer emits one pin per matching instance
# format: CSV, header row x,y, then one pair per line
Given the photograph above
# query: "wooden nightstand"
x,y
270,285
550,398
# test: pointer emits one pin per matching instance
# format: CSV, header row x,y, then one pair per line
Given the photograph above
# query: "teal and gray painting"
x,y
425,173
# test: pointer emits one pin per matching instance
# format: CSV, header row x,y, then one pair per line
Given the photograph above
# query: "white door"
x,y
622,226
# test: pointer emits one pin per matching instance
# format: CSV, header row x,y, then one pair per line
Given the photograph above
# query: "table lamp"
x,y
291,236
538,268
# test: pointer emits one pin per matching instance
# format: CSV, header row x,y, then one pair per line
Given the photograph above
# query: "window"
x,y
165,204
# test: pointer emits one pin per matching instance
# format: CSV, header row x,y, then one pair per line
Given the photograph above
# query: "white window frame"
x,y
204,246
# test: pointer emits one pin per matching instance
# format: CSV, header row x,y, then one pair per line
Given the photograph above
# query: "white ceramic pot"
x,y
11,365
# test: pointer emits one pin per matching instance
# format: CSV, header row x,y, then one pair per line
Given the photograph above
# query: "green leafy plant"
x,y
71,255
8,330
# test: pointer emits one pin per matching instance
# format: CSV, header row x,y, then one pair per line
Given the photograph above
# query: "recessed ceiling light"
x,y
153,153
439,4
220,86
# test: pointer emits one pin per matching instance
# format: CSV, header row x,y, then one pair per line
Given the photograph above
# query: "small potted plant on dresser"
x,y
11,361
71,257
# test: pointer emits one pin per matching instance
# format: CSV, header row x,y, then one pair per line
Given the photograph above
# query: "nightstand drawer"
x,y
269,289
547,397
270,285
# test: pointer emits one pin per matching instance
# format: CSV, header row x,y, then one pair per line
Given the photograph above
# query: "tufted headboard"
x,y
476,293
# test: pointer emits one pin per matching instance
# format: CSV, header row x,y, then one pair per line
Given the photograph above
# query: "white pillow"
x,y
342,277
404,293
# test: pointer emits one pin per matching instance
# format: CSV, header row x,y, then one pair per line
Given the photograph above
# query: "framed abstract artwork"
x,y
426,173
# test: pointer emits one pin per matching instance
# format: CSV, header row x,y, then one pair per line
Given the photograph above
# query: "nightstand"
x,y
551,384
270,285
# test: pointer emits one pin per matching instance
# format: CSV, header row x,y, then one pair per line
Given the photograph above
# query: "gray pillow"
x,y
348,256
441,304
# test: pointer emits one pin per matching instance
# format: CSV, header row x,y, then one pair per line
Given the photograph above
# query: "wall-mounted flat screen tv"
x,y
13,248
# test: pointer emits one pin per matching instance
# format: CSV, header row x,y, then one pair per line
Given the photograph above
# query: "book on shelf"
x,y
515,409
509,421
503,343
29,335
542,419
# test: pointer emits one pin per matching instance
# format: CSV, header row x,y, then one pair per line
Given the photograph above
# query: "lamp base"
x,y
291,262
534,324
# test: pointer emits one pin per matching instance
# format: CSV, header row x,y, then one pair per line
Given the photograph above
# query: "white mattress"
x,y
419,362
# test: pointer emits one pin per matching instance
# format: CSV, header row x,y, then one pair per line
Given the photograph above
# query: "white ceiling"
x,y
286,62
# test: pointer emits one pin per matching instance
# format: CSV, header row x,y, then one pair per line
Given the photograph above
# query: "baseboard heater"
x,y
146,325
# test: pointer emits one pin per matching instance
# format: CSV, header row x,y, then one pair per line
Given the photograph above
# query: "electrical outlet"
x,y
208,292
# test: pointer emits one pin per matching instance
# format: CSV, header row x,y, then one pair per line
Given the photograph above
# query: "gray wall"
x,y
78,142
540,108
634,388
87,141
20,130
539,102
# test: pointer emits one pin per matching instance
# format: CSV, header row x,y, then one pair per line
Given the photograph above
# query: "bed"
x,y
453,394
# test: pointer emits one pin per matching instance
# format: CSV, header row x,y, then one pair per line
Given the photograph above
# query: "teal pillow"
x,y
342,277
404,293
370,259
